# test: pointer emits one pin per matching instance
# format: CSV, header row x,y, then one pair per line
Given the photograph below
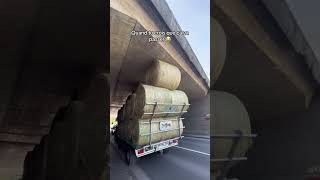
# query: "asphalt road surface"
x,y
190,160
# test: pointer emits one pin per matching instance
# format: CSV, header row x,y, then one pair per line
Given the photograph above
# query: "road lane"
x,y
178,163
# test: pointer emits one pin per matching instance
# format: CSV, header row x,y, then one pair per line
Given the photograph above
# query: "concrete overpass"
x,y
261,65
132,55
272,66
52,60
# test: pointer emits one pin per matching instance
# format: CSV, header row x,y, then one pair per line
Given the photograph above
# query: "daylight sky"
x,y
194,16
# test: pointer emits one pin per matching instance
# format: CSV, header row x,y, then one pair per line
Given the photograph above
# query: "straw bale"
x,y
165,98
141,128
229,115
162,74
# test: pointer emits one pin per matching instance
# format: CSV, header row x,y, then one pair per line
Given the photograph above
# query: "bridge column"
x,y
76,145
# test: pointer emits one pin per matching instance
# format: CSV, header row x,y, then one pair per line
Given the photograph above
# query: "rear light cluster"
x,y
173,141
140,151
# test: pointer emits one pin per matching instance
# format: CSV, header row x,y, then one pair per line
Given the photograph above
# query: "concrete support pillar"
x,y
77,141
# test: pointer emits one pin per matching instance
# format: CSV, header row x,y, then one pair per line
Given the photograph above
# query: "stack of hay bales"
x,y
135,116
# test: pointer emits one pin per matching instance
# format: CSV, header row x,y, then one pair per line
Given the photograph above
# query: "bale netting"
x,y
140,130
162,74
169,103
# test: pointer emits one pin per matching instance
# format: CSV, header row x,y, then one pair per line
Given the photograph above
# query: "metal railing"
x,y
157,121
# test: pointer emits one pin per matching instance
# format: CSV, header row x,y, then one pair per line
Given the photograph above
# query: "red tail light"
x,y
175,141
140,151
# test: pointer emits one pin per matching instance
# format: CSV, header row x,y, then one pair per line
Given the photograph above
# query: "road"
x,y
190,160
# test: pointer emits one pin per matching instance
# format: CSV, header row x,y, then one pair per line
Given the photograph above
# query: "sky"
x,y
194,16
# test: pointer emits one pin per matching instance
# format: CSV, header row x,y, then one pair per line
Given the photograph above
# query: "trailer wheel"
x,y
130,157
115,139
118,142
165,151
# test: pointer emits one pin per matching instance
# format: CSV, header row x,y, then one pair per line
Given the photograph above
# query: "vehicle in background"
x,y
113,128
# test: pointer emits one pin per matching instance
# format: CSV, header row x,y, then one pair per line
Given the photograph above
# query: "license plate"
x,y
165,125
162,145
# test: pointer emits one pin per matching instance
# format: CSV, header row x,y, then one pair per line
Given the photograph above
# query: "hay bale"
x,y
229,115
141,128
146,94
122,124
119,116
179,97
129,106
220,46
162,74
135,123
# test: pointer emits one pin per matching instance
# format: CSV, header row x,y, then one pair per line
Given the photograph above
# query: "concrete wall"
x,y
197,120
288,151
12,156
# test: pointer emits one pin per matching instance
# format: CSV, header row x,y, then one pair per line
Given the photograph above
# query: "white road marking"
x,y
192,150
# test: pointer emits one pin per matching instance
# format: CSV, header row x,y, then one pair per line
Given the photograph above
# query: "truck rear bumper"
x,y
157,147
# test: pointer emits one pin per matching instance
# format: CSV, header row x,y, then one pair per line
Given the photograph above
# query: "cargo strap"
x,y
182,110
150,130
228,164
230,157
155,104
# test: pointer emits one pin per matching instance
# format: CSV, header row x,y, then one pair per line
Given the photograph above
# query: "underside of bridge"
x,y
48,63
276,86
261,67
131,56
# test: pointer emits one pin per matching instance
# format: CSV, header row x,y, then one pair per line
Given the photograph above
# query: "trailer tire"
x,y
115,139
118,142
165,151
131,157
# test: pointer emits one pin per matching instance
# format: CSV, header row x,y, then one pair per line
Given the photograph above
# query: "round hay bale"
x,y
162,74
179,98
119,116
229,115
121,122
149,94
145,95
127,114
141,128
219,46
130,103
